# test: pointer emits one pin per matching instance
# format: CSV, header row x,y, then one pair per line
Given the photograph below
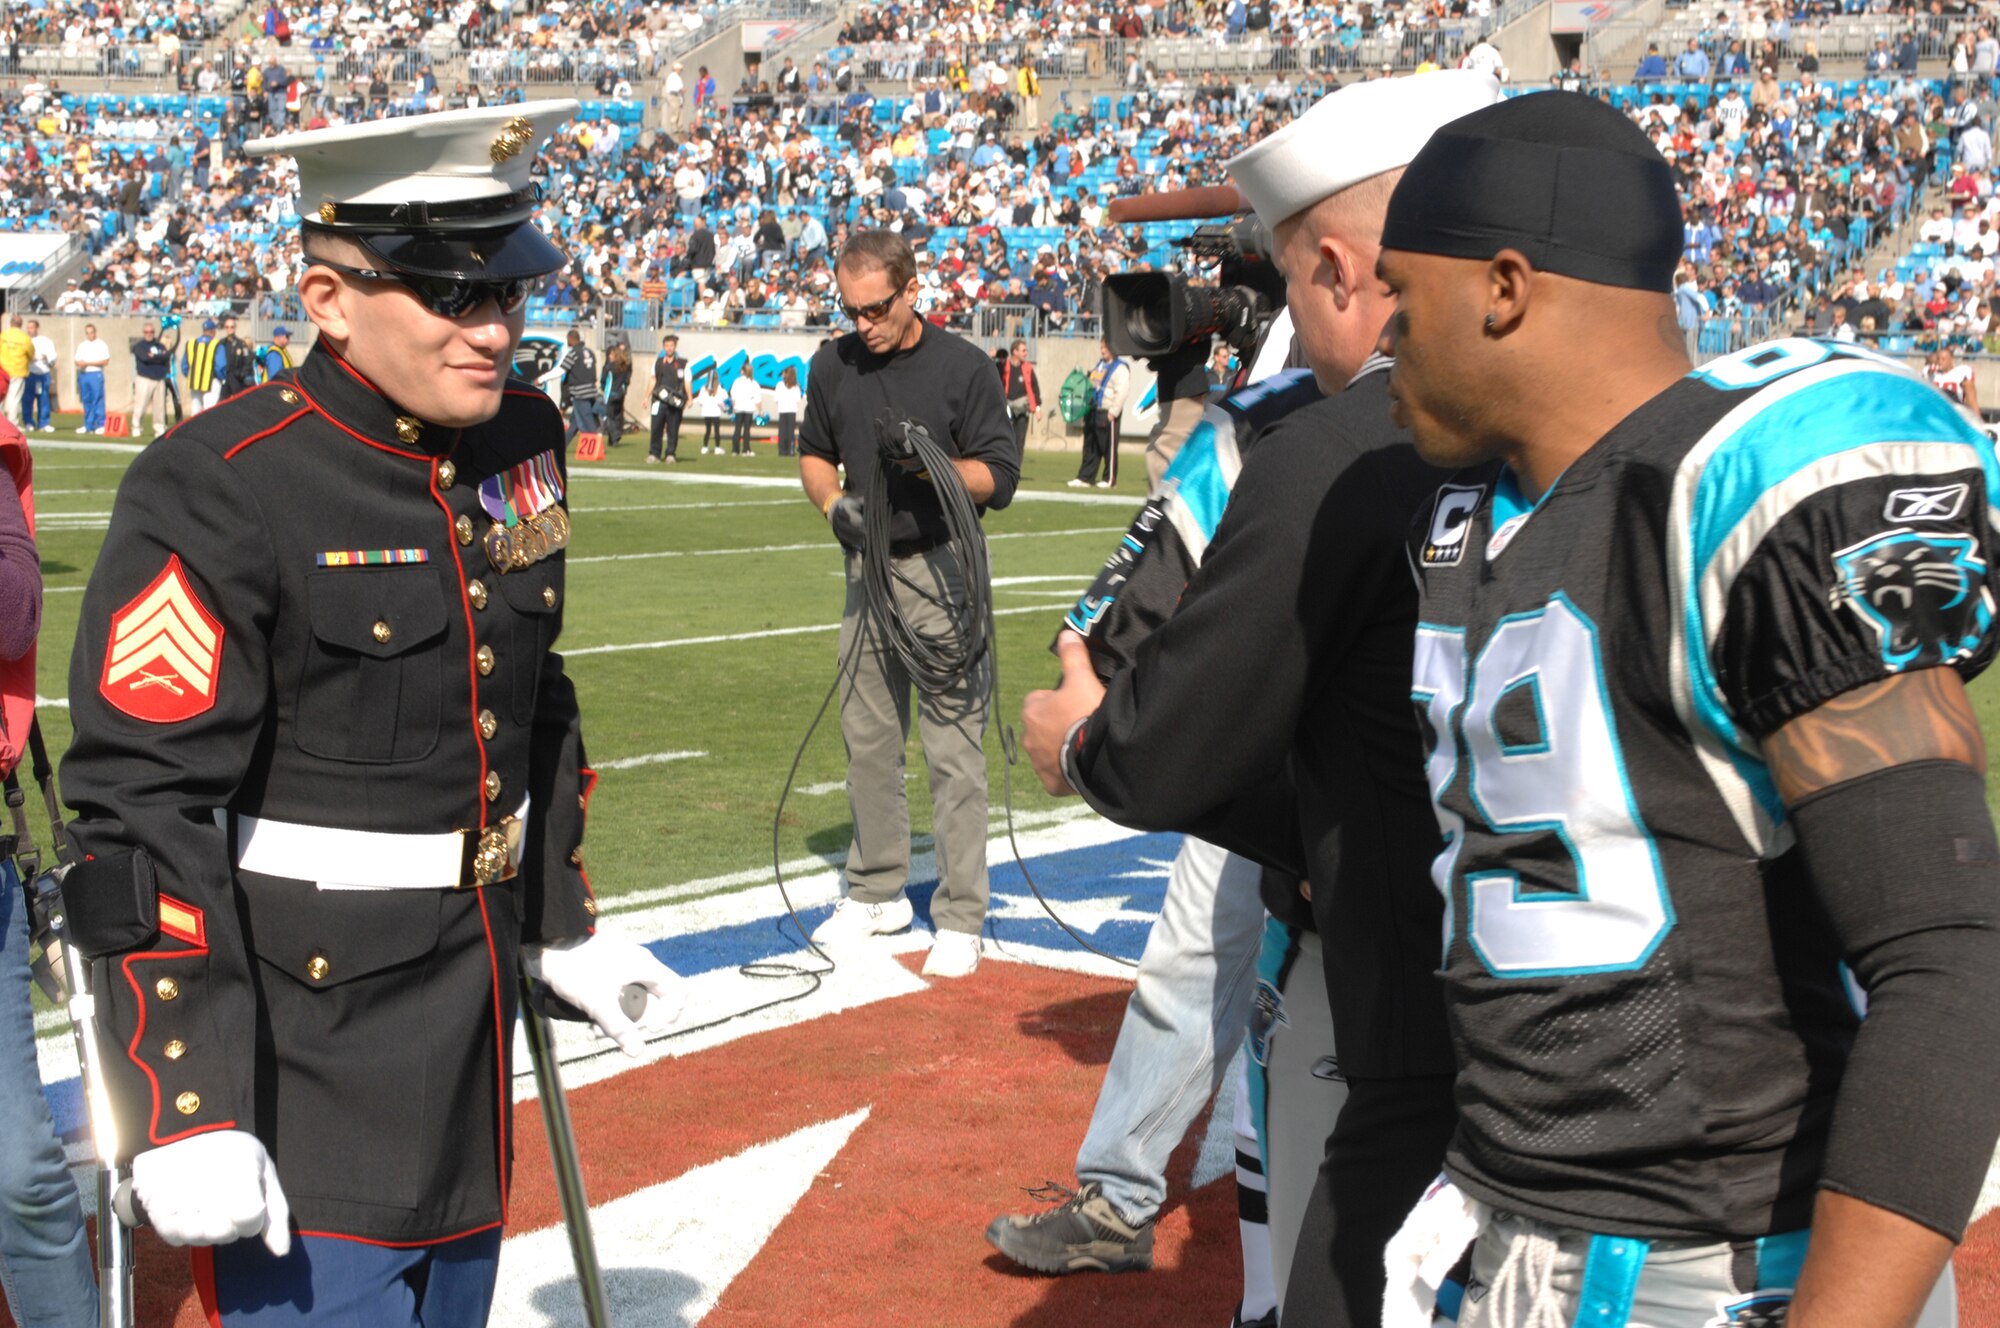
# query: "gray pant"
x,y
1177,420
1680,1283
875,722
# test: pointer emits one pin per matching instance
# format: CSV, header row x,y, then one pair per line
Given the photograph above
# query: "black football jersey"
x,y
1648,1006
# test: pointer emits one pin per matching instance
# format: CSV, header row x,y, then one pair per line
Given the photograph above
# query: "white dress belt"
x,y
340,859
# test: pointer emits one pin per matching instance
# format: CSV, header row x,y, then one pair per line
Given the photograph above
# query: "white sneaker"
x,y
1104,484
853,920
954,954
1079,484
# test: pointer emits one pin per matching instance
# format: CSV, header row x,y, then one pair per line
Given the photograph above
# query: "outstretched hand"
x,y
1047,717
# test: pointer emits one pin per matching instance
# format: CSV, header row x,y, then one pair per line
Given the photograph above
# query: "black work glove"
x,y
845,514
898,441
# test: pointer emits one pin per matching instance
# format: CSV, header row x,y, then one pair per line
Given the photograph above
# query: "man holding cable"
x,y
896,366
329,776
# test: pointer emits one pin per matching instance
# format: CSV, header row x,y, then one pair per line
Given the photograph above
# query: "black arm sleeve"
x,y
1905,864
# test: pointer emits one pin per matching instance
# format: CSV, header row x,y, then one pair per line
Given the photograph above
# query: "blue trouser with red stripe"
x,y
326,1282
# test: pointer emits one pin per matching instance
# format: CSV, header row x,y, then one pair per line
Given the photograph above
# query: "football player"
x,y
1721,880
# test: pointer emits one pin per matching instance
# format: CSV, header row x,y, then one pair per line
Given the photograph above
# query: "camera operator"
x,y
1316,768
44,1251
896,363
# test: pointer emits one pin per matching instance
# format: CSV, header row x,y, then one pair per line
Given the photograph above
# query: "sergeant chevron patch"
x,y
161,661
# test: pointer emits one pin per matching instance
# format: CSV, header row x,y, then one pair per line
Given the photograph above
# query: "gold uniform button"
x,y
549,596
317,968
447,474
463,529
476,592
488,725
590,906
492,785
167,989
187,1104
483,657
289,397
576,857
381,631
174,1050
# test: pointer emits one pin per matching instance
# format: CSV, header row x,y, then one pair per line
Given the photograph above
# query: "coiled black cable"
x,y
941,660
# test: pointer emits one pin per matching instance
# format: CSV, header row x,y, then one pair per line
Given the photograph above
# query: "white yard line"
x,y
823,544
1129,501
54,445
798,502
657,758
763,635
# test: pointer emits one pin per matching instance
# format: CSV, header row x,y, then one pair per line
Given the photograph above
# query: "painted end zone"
x,y
971,1090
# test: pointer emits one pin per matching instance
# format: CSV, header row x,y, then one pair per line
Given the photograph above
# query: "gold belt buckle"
x,y
498,855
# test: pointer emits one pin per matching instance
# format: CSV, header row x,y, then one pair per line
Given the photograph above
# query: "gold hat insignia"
x,y
516,134
326,213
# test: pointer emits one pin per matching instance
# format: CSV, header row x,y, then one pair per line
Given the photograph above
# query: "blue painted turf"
x,y
1129,872
1116,871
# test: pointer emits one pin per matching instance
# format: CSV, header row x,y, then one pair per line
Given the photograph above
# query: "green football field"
x,y
700,633
701,636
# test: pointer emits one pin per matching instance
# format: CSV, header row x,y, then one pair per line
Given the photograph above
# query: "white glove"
x,y
1423,1251
213,1189
593,974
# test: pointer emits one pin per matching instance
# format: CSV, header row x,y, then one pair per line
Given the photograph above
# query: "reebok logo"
x,y
1943,503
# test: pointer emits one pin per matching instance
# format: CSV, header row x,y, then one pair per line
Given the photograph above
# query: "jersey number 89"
x,y
1570,783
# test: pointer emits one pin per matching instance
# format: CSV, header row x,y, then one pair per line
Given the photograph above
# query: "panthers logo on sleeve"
x,y
1923,595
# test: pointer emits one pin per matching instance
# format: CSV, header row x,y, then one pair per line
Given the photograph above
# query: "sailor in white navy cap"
x,y
330,778
1348,1128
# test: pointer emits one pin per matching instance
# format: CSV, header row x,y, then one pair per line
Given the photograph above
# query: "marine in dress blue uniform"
x,y
329,772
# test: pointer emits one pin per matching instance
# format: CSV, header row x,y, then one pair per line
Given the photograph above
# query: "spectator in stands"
x,y
1692,63
1652,65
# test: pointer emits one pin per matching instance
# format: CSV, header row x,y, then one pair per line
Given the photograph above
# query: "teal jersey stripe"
x,y
1808,426
1610,1280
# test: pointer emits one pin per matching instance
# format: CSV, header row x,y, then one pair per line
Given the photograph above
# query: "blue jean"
x,y
90,387
325,1282
36,403
45,1256
1186,1017
583,414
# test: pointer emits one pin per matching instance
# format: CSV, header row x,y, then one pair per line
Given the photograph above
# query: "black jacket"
x,y
1271,715
235,659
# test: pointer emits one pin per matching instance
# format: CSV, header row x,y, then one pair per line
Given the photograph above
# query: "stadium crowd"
x,y
731,216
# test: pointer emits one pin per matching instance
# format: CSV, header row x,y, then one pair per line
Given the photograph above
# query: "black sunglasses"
x,y
447,297
871,312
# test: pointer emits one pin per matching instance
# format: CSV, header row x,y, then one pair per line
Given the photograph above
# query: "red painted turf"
x,y
967,1103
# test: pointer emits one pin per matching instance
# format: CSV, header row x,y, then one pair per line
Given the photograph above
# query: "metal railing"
x,y
1845,38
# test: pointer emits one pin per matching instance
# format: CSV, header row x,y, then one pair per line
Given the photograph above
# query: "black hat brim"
x,y
483,255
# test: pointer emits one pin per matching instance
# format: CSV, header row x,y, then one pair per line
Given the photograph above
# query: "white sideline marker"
x,y
669,1252
657,758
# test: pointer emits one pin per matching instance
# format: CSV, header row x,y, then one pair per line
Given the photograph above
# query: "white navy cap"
x,y
1347,136
433,195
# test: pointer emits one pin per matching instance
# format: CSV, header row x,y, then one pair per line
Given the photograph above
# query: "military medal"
x,y
529,523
